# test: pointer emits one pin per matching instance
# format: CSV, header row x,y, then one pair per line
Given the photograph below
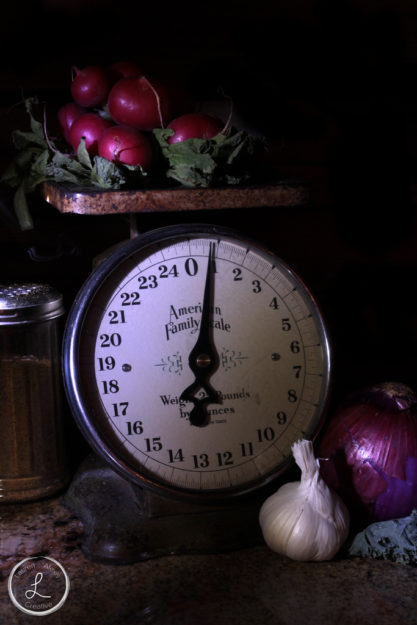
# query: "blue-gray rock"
x,y
394,540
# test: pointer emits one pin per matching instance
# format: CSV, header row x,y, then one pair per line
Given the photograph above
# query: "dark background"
x,y
332,86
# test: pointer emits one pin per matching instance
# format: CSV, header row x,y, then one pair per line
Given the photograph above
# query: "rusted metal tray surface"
x,y
103,202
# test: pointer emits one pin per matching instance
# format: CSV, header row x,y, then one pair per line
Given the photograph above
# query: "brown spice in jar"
x,y
32,459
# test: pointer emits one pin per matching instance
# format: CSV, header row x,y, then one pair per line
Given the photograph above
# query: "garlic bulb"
x,y
305,520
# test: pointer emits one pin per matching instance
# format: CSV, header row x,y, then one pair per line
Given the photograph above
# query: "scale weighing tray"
x,y
87,201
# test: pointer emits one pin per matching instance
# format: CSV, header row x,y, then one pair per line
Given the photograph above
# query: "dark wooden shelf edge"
x,y
106,202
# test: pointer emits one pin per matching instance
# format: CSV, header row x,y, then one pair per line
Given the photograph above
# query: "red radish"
x,y
124,69
126,145
67,114
194,126
91,127
90,86
138,103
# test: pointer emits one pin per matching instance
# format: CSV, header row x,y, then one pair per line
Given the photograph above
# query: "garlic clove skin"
x,y
305,520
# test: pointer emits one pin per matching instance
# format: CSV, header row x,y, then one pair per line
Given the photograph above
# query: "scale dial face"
x,y
194,359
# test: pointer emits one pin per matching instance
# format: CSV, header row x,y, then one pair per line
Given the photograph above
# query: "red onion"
x,y
368,452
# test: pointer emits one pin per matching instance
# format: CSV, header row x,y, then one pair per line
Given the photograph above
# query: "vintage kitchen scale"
x,y
193,358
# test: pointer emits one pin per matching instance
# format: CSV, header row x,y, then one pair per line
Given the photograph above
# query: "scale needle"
x,y
203,359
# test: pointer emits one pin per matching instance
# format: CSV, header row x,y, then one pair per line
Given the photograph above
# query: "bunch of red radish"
x,y
115,109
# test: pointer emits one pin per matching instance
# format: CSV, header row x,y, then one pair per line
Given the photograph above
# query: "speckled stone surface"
x,y
99,202
247,587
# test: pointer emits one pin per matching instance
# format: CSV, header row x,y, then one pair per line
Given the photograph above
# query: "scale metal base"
x,y
124,523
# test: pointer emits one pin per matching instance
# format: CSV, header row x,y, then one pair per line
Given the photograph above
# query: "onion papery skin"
x,y
368,453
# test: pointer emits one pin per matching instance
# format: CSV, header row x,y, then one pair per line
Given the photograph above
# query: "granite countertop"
x,y
246,586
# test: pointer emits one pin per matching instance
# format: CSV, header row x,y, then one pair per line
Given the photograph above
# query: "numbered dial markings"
x,y
267,363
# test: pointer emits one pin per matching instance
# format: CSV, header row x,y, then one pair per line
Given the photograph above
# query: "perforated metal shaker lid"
x,y
29,303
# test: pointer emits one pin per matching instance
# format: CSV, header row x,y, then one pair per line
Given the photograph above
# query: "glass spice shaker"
x,y
32,460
